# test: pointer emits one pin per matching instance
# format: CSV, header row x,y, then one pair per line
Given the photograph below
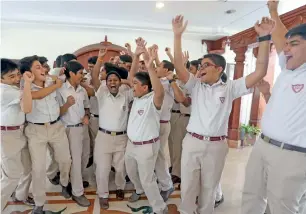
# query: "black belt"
x,y
185,115
49,123
283,145
94,115
112,133
77,125
176,111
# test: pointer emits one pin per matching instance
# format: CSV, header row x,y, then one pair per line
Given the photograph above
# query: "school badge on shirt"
x,y
297,88
222,99
140,112
124,108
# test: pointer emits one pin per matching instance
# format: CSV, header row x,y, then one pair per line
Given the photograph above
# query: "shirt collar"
x,y
68,85
118,94
3,85
220,82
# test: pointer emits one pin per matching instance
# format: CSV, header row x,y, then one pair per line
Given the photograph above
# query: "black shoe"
x,y
85,184
90,162
29,201
38,210
170,169
81,200
66,191
56,179
113,169
127,179
217,203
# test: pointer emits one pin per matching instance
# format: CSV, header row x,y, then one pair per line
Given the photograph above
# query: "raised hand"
x,y
128,46
28,77
185,57
102,52
141,46
70,101
265,27
273,5
152,56
168,51
58,83
178,25
263,86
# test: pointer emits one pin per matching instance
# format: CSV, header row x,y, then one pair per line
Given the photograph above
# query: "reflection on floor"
x,y
232,183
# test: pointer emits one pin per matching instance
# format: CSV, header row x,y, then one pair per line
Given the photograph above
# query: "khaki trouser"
x,y
105,159
172,136
177,146
38,138
52,169
79,151
202,166
93,130
14,165
163,159
280,177
85,151
140,163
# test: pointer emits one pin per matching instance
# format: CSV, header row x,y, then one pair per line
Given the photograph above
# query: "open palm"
x,y
178,25
265,27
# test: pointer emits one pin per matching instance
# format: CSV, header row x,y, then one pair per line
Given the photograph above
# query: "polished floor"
x,y
232,183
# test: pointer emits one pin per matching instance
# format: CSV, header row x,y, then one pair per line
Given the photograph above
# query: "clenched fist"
x,y
28,77
58,83
70,101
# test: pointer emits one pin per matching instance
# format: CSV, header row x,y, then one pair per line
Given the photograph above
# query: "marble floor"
x,y
232,183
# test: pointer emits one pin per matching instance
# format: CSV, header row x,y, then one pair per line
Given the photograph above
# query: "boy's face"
x,y
12,78
38,71
46,68
78,77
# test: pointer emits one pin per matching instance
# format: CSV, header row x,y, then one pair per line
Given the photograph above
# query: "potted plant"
x,y
248,134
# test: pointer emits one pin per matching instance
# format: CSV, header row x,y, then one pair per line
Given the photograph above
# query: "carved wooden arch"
x,y
84,53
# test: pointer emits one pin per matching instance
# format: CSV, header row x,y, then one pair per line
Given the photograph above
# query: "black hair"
x,y
299,30
27,62
72,66
67,58
58,61
92,60
188,64
112,72
144,78
217,59
195,63
7,66
126,58
168,65
122,72
224,77
42,60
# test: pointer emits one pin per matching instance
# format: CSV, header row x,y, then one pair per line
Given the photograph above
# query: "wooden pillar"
x,y
258,102
233,130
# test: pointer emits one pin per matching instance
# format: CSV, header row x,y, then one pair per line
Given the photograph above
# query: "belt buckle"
x,y
206,138
267,139
113,133
46,124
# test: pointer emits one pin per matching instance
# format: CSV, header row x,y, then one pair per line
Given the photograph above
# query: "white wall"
x,y
18,40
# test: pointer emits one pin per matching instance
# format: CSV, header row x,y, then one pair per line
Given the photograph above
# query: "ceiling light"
x,y
230,11
160,5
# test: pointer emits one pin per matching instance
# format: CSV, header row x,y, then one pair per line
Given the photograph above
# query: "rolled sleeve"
x,y
239,89
130,95
190,84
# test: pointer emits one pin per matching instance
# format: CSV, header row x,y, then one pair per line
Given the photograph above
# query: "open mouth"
x,y
288,57
202,74
113,87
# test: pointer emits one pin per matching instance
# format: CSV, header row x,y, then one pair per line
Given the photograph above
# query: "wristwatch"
x,y
170,81
264,38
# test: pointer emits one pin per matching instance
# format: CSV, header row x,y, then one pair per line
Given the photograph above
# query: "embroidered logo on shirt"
x,y
140,112
124,108
222,99
297,88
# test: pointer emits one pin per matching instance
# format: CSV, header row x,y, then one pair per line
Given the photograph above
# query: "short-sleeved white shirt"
x,y
11,113
113,111
44,110
144,119
76,112
212,105
168,100
284,118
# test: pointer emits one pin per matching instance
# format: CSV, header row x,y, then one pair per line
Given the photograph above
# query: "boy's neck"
x,y
39,83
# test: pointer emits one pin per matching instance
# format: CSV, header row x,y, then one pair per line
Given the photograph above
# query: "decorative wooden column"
x,y
233,126
258,102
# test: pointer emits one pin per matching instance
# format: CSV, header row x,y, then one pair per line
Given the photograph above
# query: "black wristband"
x,y
264,38
170,81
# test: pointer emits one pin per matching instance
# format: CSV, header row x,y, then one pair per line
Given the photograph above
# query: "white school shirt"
x,y
44,110
113,111
168,100
284,118
144,119
212,105
76,112
11,113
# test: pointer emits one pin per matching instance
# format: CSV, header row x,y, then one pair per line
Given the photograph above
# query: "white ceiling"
x,y
207,19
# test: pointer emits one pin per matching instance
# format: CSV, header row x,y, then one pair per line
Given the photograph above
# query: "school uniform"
x,y
15,159
163,159
205,146
175,113
143,148
75,130
44,127
278,158
111,140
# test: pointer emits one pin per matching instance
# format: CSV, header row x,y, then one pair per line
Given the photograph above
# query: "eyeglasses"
x,y
207,64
